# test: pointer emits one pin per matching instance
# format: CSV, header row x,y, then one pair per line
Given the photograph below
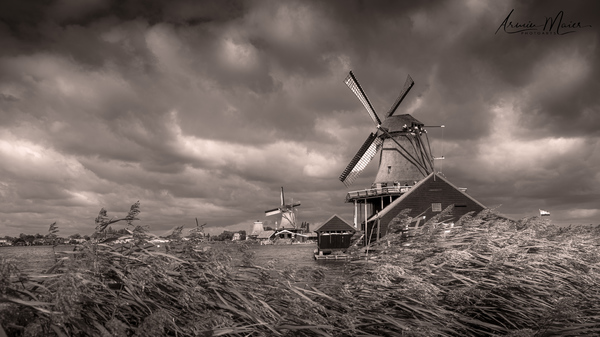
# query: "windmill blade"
x,y
292,205
408,84
352,83
273,211
362,158
282,197
423,156
426,151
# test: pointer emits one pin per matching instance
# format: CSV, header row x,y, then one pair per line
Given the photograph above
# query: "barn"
x,y
425,199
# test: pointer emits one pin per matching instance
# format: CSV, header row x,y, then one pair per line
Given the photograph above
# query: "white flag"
x,y
544,213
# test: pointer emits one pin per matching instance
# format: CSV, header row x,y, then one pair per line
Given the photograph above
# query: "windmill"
x,y
287,211
405,155
406,179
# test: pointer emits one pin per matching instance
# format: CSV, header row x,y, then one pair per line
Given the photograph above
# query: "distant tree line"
x,y
228,236
53,239
39,239
107,233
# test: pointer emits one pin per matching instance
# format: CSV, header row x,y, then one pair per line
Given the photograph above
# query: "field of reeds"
x,y
484,276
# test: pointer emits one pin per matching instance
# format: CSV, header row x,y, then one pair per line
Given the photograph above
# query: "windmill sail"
x,y
272,212
362,158
425,153
407,86
352,83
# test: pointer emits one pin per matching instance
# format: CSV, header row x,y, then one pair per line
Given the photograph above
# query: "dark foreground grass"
x,y
487,276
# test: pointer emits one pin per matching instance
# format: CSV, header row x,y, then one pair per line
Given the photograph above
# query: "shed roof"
x,y
335,223
391,206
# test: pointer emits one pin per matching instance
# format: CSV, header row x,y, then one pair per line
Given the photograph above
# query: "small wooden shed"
x,y
334,235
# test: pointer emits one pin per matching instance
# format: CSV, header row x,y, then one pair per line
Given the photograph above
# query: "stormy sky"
x,y
205,109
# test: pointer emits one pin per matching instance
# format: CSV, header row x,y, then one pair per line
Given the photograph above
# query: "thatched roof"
x,y
265,234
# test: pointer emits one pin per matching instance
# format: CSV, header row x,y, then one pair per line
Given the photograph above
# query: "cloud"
x,y
206,110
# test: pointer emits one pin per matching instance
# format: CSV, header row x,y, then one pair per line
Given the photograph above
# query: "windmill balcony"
x,y
378,190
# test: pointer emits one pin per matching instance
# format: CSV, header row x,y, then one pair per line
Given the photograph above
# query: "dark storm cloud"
x,y
204,109
557,75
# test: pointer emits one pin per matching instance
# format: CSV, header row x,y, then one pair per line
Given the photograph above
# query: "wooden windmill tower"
x,y
406,177
287,211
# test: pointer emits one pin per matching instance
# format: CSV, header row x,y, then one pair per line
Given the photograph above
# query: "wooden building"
x,y
334,235
425,199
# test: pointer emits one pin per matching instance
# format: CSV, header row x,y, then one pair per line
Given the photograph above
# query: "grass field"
x,y
488,276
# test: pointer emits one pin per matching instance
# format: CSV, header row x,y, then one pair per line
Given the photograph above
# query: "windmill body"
x,y
257,228
288,219
400,144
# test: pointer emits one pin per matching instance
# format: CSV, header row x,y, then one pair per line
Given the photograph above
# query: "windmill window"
x,y
436,207
389,169
460,205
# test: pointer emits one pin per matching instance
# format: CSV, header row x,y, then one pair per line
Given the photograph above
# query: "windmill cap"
x,y
397,123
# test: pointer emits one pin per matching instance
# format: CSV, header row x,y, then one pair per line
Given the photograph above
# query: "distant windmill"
x,y
287,211
405,151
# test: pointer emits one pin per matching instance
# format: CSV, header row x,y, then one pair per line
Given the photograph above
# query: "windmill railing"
x,y
377,191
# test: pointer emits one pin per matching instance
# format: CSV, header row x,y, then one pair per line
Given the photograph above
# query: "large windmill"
x,y
405,155
405,178
287,211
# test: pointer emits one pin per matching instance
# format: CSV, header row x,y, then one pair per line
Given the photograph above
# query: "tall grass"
x,y
486,276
